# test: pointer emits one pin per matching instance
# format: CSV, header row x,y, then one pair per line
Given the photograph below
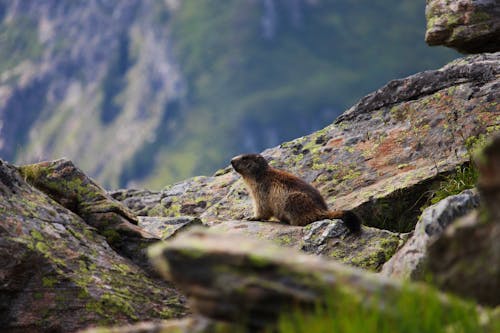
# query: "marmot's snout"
x,y
235,162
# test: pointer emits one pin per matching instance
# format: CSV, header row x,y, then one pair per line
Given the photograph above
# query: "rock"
x,y
174,326
193,324
167,227
191,197
70,187
466,258
58,274
469,26
232,279
328,238
380,158
139,201
408,262
488,163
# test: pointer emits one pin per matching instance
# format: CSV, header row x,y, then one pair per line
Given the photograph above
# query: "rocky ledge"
x,y
238,283
381,158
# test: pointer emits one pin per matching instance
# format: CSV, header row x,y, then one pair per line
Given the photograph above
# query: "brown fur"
x,y
281,195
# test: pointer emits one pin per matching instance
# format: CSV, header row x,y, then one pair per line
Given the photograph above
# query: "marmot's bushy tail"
x,y
351,220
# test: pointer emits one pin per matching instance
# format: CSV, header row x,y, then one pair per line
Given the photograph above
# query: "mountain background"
x,y
148,92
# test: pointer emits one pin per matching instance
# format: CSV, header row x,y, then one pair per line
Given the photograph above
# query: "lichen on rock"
x,y
70,187
470,26
65,270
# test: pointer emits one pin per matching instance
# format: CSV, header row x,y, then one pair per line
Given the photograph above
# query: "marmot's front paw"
x,y
254,218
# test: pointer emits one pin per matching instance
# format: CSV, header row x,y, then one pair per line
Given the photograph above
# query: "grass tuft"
x,y
409,313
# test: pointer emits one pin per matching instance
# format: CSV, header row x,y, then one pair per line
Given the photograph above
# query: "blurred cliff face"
x,y
154,91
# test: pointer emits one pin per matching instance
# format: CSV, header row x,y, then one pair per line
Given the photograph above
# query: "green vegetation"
x,y
18,42
464,177
247,92
409,313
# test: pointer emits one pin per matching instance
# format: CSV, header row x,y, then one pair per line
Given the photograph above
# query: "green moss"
x,y
479,17
376,257
453,19
49,281
285,240
31,173
36,235
258,260
112,236
42,247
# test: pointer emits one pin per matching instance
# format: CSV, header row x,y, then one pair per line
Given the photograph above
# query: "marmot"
x,y
288,198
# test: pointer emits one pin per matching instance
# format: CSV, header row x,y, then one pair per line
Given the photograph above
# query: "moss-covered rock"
x,y
470,26
58,274
249,281
70,187
329,238
166,227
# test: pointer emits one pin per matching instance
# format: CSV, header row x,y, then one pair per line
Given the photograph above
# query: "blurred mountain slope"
x,y
155,91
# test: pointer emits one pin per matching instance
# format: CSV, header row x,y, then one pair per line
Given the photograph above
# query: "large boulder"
x,y
58,274
246,281
380,158
469,26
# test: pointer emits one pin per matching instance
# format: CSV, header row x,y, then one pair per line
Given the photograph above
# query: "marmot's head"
x,y
251,165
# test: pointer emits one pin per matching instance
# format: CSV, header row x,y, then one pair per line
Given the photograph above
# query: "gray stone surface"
x,y
166,227
409,261
470,26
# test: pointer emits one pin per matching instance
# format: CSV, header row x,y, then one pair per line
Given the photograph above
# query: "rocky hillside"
x,y
155,91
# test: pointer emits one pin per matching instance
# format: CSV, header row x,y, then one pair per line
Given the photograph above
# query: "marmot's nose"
x,y
235,159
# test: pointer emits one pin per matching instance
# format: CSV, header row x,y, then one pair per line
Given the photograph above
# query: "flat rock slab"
x,y
58,274
167,227
380,157
329,238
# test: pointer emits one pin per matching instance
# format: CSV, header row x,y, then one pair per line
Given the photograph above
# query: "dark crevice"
x,y
400,210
